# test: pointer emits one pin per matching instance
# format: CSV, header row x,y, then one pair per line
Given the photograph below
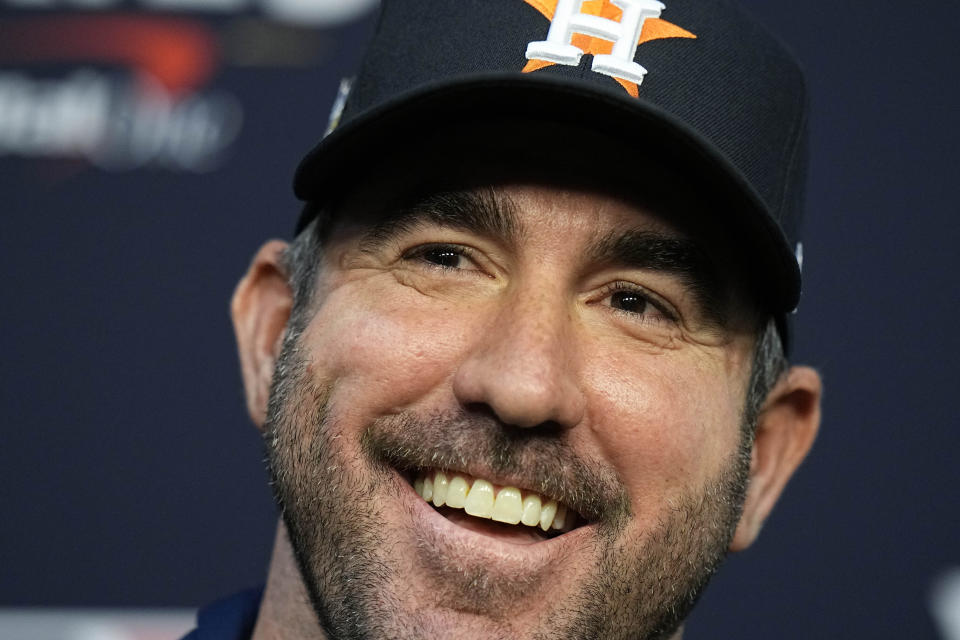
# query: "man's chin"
x,y
399,568
442,622
496,571
406,570
471,571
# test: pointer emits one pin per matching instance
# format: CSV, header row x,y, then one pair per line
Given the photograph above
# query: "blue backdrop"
x,y
146,150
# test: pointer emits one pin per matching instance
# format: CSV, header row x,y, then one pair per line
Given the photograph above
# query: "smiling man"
x,y
522,372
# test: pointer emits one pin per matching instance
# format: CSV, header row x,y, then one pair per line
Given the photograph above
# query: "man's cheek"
x,y
385,354
663,427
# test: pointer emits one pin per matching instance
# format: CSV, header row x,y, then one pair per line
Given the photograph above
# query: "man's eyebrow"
x,y
677,256
483,211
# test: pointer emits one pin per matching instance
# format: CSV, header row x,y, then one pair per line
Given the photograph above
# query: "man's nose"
x,y
524,366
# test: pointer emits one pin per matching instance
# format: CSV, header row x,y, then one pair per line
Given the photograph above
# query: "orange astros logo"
x,y
610,30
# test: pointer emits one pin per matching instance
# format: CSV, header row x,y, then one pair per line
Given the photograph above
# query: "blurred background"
x,y
146,151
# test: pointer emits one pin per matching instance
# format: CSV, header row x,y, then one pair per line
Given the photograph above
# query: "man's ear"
x,y
260,309
786,428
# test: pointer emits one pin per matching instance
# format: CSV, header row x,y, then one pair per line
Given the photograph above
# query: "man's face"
x,y
558,341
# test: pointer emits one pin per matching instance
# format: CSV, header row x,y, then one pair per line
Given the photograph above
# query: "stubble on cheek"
x,y
645,584
329,508
363,581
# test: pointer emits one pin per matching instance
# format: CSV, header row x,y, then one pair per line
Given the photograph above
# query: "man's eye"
x,y
629,301
443,257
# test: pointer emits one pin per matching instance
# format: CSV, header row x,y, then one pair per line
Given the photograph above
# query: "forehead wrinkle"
x,y
667,253
486,212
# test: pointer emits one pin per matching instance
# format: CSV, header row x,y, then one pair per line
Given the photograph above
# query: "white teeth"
x,y
531,510
508,507
440,486
427,488
457,492
558,519
547,512
481,499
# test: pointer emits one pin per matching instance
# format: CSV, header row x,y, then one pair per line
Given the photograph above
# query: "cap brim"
x,y
538,97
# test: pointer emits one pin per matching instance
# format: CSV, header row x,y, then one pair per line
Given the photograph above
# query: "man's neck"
x,y
286,612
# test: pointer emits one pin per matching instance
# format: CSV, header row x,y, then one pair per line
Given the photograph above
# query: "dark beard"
x,y
640,589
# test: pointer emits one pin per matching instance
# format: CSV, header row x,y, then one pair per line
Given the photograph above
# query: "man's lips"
x,y
504,532
459,540
482,499
478,447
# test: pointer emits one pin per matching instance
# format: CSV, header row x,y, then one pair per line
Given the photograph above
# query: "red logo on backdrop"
x,y
179,54
127,89
133,94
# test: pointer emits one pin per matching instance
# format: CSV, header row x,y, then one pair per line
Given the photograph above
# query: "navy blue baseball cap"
x,y
698,83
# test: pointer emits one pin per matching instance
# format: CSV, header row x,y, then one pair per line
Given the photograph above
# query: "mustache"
x,y
540,456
